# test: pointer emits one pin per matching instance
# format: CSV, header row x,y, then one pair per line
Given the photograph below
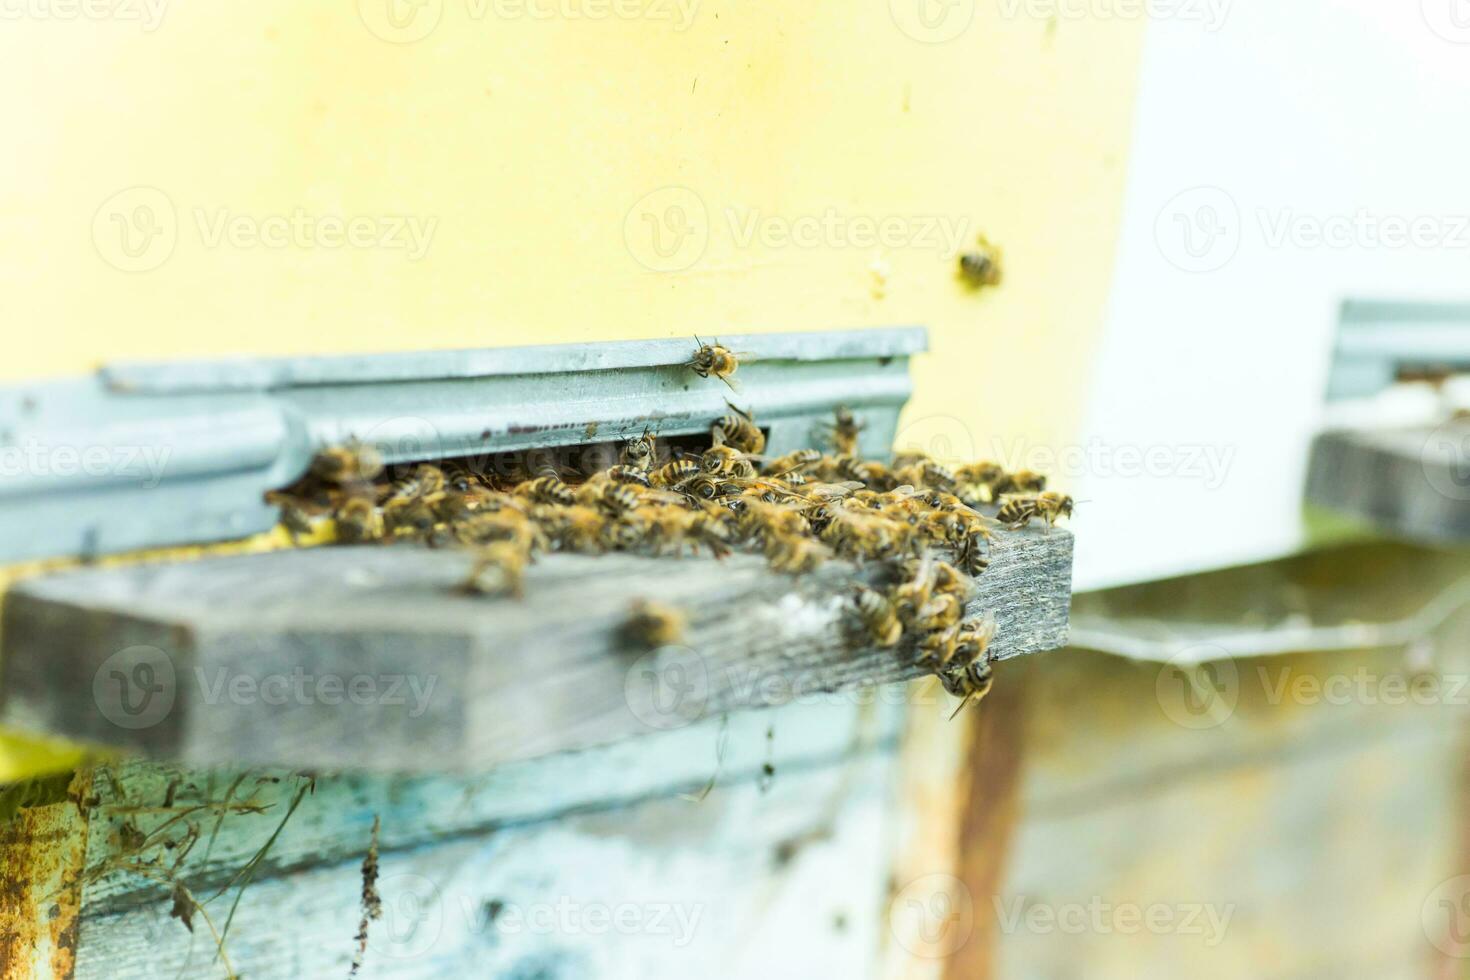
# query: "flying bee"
x,y
727,461
1017,510
358,521
842,434
638,453
879,618
653,624
674,473
499,569
981,266
354,463
793,463
714,360
738,430
547,489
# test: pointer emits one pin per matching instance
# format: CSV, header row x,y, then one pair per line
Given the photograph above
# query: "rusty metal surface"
x,y
43,850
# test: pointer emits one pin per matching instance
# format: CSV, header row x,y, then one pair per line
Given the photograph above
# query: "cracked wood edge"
x,y
367,658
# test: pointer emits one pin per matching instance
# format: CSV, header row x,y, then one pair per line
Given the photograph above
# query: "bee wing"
x,y
833,490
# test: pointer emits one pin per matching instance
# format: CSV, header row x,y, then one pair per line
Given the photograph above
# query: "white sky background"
x,y
1292,118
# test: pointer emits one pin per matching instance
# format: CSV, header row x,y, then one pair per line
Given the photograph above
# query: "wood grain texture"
x,y
369,658
1412,482
779,867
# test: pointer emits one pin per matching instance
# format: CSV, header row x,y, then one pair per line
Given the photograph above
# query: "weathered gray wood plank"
x,y
1412,482
348,658
790,882
332,824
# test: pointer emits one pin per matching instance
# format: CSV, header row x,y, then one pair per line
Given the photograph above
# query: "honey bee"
x,y
727,461
615,498
547,489
426,483
842,435
499,569
296,514
978,482
738,430
793,463
653,624
795,556
675,473
982,265
865,536
1017,510
627,473
1021,481
354,463
578,529
714,360
358,521
867,472
502,525
879,618
942,611
639,453
706,487
968,674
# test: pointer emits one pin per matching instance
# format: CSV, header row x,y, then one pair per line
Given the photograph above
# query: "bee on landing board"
x,y
1017,510
653,624
738,431
879,617
712,360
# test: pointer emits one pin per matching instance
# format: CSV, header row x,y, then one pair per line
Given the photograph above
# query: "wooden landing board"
x,y
1410,483
368,658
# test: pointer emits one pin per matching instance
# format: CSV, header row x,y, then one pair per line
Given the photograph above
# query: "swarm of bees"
x,y
800,510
